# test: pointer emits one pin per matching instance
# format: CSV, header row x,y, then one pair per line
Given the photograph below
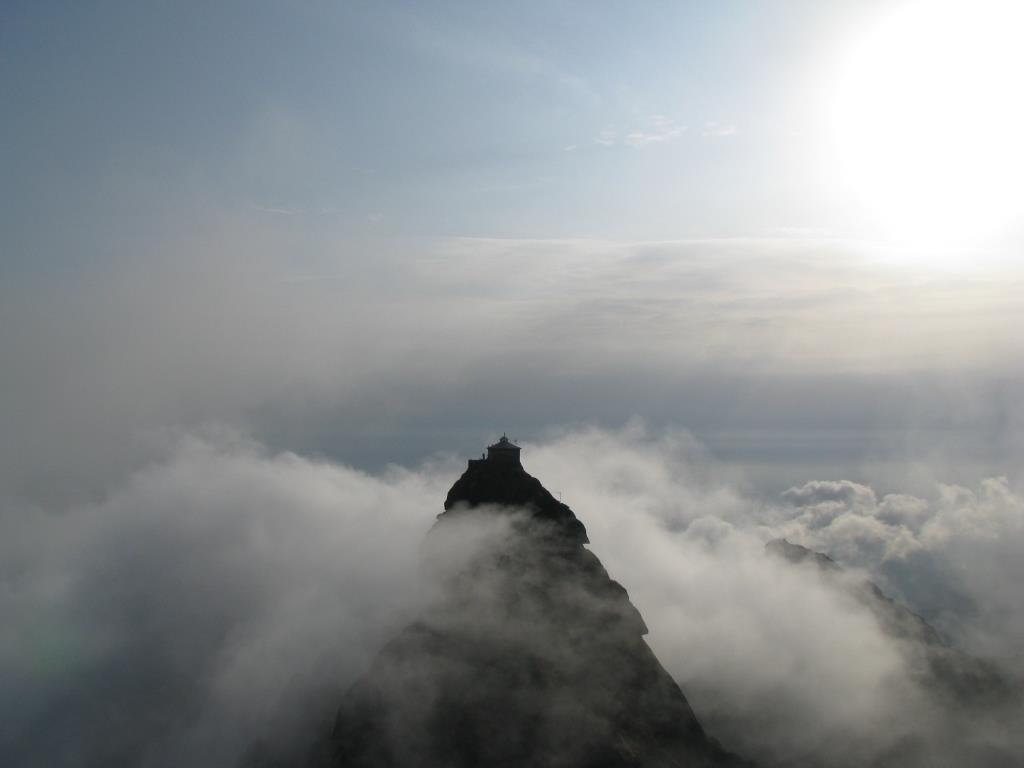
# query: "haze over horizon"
x,y
728,270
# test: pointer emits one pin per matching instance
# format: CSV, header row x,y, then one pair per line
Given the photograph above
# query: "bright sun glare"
x,y
929,120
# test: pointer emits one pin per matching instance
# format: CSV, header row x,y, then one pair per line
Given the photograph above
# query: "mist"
x,y
774,352
216,481
223,594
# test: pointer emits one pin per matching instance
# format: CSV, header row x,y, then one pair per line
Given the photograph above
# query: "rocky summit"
x,y
526,654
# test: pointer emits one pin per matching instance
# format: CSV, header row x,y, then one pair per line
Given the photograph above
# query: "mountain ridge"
x,y
949,672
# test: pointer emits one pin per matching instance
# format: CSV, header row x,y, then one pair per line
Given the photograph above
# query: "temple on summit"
x,y
527,654
504,451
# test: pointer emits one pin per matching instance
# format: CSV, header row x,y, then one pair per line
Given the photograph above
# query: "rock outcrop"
x,y
957,677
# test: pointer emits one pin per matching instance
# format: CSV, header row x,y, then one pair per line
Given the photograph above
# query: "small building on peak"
x,y
504,451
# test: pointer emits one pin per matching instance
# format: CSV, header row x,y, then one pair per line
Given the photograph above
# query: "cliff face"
x,y
528,655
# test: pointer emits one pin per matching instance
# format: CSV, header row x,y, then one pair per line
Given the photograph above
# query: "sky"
x,y
335,248
376,231
461,119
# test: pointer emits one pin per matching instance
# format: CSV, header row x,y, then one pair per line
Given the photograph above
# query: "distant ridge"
x,y
956,676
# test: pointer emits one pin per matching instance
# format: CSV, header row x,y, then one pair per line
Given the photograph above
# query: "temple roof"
x,y
503,444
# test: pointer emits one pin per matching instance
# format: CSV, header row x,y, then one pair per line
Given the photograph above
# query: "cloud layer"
x,y
172,588
211,594
224,594
773,350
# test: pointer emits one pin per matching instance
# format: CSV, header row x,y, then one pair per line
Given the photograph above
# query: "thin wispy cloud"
x,y
278,211
658,129
661,130
714,128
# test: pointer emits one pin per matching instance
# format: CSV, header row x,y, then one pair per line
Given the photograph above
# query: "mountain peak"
x,y
530,654
796,553
499,481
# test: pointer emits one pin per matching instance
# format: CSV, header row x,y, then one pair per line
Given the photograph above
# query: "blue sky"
x,y
457,119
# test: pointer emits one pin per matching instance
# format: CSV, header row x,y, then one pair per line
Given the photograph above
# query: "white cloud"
x,y
227,326
714,128
827,492
661,130
278,211
965,543
222,584
658,130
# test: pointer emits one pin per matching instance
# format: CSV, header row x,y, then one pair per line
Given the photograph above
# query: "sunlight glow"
x,y
929,120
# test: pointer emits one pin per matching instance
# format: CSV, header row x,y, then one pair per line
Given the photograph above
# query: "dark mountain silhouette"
x,y
957,677
529,655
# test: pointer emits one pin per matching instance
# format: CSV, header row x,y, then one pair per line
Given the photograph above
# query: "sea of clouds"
x,y
225,593
213,487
